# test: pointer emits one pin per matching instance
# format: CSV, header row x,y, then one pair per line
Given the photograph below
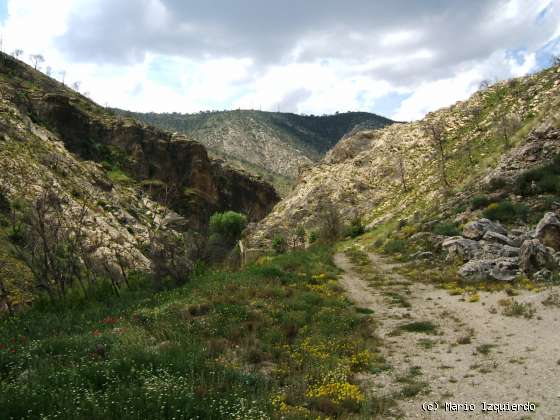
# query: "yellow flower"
x,y
474,298
336,392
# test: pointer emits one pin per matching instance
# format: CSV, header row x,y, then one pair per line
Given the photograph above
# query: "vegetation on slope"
x,y
272,144
433,166
274,340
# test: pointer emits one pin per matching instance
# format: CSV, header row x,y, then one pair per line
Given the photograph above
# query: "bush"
x,y
313,236
4,204
480,202
395,246
356,228
331,227
545,179
506,211
446,229
496,183
228,225
279,244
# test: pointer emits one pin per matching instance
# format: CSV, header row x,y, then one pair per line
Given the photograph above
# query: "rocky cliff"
x,y
197,186
113,176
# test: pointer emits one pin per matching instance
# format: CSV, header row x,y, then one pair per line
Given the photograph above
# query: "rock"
x,y
477,228
465,249
543,275
548,231
501,269
491,236
422,255
462,218
519,236
534,256
492,250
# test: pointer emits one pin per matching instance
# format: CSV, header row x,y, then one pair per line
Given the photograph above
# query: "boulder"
x,y
534,256
548,231
491,236
518,236
465,249
501,269
477,228
491,250
543,275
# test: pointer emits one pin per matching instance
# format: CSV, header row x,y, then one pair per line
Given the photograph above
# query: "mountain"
x,y
431,169
271,144
68,161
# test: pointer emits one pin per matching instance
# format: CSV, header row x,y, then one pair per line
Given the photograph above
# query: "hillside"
x,y
271,144
430,170
105,184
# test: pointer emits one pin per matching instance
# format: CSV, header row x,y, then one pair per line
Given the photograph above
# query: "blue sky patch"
x,y
163,70
388,105
3,10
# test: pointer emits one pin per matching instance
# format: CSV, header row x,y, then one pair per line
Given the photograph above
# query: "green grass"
x,y
485,348
426,327
118,176
271,338
398,299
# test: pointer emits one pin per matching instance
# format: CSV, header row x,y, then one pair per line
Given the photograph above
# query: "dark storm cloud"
x,y
450,32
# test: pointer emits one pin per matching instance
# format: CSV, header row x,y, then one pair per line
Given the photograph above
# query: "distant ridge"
x,y
273,145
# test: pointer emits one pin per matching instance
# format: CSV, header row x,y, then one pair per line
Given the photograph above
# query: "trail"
x,y
501,359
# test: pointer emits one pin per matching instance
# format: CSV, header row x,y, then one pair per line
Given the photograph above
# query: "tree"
x,y
507,125
47,242
228,225
76,85
18,52
169,251
36,59
484,84
555,60
331,226
435,131
401,169
48,71
62,75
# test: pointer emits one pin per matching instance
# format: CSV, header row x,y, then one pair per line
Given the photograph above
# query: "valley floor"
x,y
456,349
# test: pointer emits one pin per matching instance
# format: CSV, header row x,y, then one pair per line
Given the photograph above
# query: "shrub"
x,y
446,229
4,204
228,225
313,236
356,228
496,183
395,246
480,202
279,244
506,211
545,179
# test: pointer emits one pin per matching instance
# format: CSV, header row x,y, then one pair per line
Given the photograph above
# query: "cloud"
x,y
312,56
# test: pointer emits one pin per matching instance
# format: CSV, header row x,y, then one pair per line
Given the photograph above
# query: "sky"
x,y
397,58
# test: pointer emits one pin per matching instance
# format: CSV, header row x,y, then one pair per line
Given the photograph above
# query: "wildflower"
x,y
110,320
96,333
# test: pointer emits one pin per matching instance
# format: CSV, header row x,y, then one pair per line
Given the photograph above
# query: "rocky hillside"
x,y
482,149
272,144
112,177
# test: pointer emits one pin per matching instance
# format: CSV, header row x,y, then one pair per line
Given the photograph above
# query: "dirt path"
x,y
475,354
